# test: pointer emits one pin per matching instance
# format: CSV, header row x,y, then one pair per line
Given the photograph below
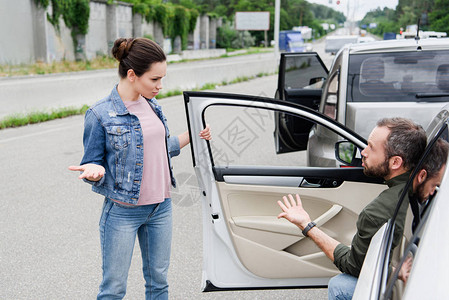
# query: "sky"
x,y
357,8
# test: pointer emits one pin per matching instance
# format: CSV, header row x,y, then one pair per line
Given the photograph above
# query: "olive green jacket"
x,y
350,259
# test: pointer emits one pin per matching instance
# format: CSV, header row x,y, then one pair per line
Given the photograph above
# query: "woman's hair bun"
x,y
121,48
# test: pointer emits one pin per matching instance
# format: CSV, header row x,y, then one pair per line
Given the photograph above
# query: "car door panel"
x,y
251,218
244,244
300,78
310,98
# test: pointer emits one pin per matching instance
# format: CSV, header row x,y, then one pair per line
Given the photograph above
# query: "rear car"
x,y
366,82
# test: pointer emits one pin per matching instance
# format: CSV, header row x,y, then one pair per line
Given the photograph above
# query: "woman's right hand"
x,y
91,172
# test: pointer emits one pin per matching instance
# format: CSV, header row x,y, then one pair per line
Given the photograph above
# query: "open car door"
x,y
241,179
300,80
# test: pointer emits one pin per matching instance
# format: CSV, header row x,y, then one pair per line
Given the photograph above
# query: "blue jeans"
x,y
119,225
341,287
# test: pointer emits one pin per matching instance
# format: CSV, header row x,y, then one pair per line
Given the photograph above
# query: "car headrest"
x,y
373,69
443,77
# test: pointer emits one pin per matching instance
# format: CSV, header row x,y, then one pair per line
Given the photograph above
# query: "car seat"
x,y
372,73
442,78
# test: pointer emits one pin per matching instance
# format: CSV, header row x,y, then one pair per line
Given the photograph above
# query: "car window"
x,y
303,72
395,287
245,136
399,76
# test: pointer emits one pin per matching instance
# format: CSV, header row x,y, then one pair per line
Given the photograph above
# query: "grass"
x,y
39,68
18,120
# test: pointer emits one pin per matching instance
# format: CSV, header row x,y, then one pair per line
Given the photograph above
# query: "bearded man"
x,y
394,148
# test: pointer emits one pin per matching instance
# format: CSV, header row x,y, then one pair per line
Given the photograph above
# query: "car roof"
x,y
399,45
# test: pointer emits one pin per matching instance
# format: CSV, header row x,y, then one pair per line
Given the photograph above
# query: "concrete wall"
x,y
96,42
194,37
204,32
124,20
158,35
59,42
17,41
147,28
27,36
212,33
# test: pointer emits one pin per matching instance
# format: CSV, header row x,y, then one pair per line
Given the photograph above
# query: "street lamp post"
x,y
277,9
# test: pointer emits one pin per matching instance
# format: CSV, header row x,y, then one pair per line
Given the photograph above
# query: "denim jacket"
x,y
113,138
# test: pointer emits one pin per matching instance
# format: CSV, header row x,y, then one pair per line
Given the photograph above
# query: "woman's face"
x,y
149,84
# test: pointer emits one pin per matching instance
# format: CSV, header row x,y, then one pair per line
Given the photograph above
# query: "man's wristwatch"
x,y
308,227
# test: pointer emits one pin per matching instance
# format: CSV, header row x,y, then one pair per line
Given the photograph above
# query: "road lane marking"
x,y
36,133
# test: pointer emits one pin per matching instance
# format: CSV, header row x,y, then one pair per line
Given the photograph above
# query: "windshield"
x,y
399,76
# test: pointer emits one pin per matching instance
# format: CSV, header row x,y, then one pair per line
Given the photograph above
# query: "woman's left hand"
x,y
205,133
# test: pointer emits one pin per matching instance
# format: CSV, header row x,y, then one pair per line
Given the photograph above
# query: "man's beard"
x,y
419,194
380,170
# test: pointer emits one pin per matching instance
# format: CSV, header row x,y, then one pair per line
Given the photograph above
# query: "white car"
x,y
242,177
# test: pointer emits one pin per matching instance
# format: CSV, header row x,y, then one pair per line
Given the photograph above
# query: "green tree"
x,y
385,20
293,13
407,17
439,18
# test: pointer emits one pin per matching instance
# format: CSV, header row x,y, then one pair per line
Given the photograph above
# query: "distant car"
x,y
366,82
365,39
422,34
241,178
292,41
334,43
389,36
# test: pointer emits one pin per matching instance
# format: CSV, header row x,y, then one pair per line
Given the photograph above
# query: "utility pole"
x,y
277,9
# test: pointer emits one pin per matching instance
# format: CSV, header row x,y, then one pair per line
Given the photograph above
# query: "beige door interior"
x,y
274,248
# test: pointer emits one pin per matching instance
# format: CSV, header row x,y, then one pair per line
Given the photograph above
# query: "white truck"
x,y
336,42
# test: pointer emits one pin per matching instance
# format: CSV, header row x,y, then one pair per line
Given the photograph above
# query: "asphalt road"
x,y
49,219
49,241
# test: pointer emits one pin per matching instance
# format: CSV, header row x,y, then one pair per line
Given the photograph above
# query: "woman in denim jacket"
x,y
127,151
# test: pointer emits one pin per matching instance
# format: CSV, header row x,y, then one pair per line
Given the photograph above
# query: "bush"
x,y
248,40
225,35
228,37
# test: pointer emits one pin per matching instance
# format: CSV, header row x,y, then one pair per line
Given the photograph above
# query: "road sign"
x,y
253,20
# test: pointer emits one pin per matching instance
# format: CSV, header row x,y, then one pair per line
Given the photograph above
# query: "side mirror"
x,y
316,79
345,152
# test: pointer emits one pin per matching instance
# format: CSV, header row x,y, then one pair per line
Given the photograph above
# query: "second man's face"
x,y
427,188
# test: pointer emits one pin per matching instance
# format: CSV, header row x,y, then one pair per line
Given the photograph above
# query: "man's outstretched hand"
x,y
293,211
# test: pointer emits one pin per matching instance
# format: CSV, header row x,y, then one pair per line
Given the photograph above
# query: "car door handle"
x,y
306,184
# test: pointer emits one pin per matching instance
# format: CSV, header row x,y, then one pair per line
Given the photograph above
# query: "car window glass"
x,y
303,72
395,286
399,76
245,136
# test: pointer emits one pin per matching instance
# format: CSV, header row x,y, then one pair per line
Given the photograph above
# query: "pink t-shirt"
x,y
155,185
